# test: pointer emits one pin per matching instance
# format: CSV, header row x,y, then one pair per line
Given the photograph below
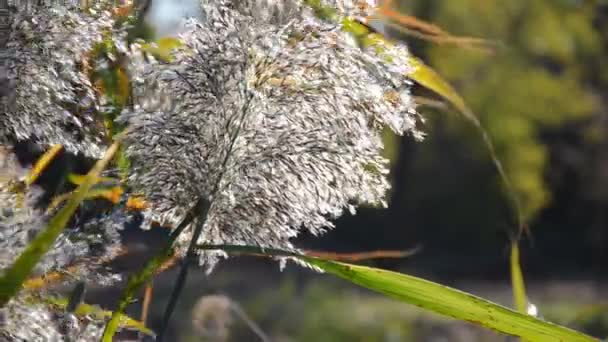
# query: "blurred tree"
x,y
534,80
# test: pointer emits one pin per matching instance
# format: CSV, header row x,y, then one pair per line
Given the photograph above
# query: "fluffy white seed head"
x,y
49,98
276,122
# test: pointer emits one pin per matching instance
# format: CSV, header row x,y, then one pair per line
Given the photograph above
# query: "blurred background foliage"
x,y
534,81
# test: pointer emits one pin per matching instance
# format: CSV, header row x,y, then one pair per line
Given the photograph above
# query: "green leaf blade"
x,y
517,280
450,302
12,279
430,296
134,283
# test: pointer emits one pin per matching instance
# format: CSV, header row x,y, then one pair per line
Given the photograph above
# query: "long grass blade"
x,y
135,282
517,280
431,296
164,258
451,302
12,279
428,78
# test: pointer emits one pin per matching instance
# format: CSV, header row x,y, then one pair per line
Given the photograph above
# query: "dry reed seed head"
x,y
22,320
278,125
21,223
10,168
281,11
26,322
19,219
52,100
212,316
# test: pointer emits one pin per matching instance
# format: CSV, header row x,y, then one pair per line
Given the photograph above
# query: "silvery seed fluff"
x,y
23,321
80,247
93,239
274,120
50,99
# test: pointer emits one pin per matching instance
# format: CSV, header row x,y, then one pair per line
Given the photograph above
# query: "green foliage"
x,y
370,319
450,302
517,280
136,281
532,83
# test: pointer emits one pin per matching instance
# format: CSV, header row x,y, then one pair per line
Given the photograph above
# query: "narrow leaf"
x,y
135,282
77,179
451,302
12,279
164,258
433,297
428,78
517,280
42,163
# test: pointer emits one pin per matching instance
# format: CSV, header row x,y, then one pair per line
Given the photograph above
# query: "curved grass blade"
x,y
428,78
451,302
517,280
433,297
13,278
135,282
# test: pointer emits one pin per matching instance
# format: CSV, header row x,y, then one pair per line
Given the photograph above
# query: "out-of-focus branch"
x,y
361,256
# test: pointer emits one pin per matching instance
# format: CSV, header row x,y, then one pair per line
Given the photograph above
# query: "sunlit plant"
x,y
262,120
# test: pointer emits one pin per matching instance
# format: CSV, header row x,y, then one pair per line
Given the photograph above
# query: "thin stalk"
x,y
183,272
146,304
144,276
256,329
206,205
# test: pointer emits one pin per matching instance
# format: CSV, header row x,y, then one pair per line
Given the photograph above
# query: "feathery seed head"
x,y
51,99
275,122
